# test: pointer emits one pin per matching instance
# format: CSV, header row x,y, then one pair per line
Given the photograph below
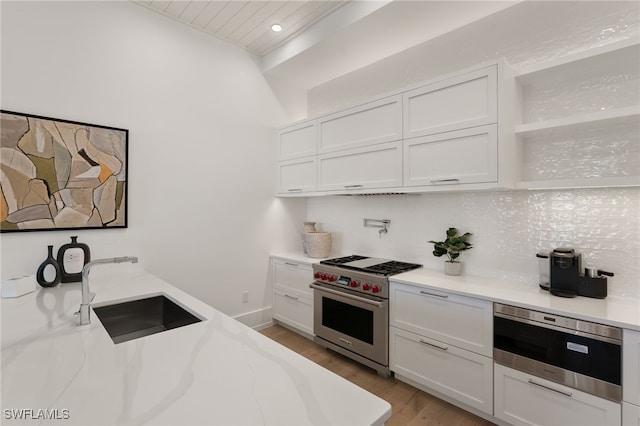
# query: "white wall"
x,y
201,118
508,227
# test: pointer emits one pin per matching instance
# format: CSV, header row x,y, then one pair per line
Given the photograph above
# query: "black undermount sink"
x,y
130,320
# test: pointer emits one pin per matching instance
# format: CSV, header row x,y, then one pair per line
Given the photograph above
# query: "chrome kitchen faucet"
x,y
87,296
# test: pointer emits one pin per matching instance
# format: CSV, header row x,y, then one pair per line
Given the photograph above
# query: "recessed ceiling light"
x,y
276,28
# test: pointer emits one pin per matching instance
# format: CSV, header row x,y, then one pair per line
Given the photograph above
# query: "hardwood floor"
x,y
410,406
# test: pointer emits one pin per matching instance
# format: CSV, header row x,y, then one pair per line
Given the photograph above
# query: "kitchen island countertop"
x,y
217,371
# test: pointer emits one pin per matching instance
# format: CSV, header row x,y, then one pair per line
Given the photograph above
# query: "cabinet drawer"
x,y
377,166
457,103
457,320
630,414
457,373
374,122
523,399
297,141
631,366
293,276
293,309
464,156
295,176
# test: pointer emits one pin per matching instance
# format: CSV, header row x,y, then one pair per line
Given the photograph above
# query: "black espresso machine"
x,y
564,276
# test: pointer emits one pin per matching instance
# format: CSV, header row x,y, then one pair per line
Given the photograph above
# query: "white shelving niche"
x,y
581,119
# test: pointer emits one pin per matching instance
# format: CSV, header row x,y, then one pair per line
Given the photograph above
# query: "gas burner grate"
x,y
341,260
391,268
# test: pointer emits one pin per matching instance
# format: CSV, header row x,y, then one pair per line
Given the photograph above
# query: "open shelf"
x,y
589,120
601,182
609,55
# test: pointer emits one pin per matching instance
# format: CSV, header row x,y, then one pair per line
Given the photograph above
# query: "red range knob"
x,y
323,276
354,283
332,278
375,289
316,275
365,286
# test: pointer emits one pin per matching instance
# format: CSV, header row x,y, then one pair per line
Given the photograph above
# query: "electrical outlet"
x,y
245,296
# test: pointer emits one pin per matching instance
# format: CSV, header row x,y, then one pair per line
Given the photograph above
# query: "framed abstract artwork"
x,y
61,175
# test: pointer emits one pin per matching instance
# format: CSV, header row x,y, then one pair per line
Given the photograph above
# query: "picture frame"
x,y
58,174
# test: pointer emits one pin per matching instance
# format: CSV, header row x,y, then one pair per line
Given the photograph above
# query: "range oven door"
x,y
355,322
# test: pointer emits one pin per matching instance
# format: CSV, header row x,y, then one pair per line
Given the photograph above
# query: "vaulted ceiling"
x,y
323,39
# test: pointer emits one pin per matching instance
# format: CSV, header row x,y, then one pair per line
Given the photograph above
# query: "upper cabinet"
x,y
299,140
464,101
428,159
580,121
372,123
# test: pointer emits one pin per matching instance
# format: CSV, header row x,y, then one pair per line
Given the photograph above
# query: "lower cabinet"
x,y
454,372
524,399
292,297
293,309
630,414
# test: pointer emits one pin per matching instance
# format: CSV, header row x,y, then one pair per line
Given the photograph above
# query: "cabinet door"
x,y
377,166
374,122
523,399
457,373
295,276
293,309
457,103
630,414
296,141
456,320
295,176
631,366
464,156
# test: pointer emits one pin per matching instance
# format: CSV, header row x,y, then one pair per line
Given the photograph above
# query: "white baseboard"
x,y
257,319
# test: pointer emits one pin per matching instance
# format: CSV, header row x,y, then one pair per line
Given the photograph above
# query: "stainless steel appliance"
x,y
351,309
580,354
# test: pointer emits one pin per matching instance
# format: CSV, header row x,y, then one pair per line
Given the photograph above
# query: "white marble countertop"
x,y
620,312
214,372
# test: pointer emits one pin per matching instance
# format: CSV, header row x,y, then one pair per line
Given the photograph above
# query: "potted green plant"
x,y
452,246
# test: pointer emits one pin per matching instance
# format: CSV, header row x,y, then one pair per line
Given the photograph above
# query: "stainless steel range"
x,y
351,309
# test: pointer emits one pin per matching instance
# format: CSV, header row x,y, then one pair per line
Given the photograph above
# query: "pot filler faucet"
x,y
87,296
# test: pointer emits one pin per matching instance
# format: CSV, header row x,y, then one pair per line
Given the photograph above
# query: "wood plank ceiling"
x,y
247,23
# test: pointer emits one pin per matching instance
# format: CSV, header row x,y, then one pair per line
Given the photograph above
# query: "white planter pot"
x,y
452,268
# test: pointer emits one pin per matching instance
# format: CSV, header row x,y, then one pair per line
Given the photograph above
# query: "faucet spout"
x,y
87,296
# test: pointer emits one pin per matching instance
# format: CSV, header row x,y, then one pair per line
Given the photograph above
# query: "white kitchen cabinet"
x,y
452,158
375,166
443,343
524,399
572,122
371,123
459,102
457,373
630,414
456,320
298,140
631,366
297,176
292,297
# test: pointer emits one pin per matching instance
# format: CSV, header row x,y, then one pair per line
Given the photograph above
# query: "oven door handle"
x,y
348,296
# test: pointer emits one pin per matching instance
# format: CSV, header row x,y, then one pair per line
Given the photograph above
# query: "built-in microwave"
x,y
580,354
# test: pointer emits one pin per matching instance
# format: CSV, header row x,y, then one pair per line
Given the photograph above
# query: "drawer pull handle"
x,y
291,264
288,296
444,181
426,293
294,190
353,186
550,388
442,348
